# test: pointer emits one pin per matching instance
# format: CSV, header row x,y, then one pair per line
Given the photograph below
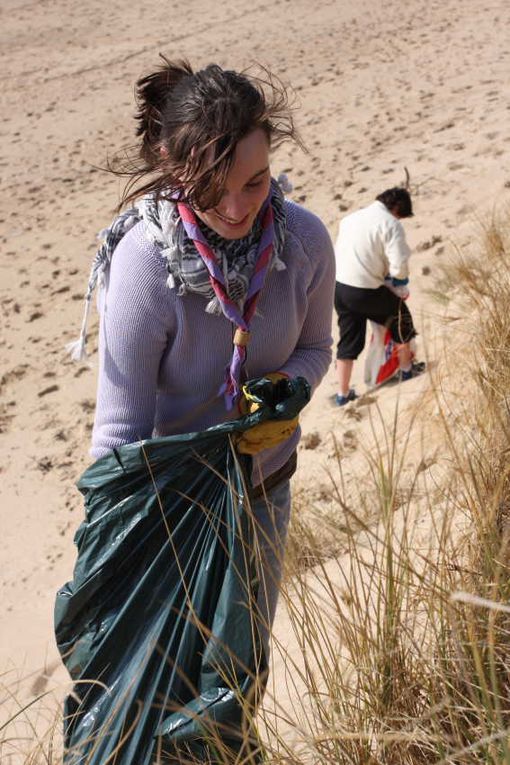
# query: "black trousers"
x,y
355,305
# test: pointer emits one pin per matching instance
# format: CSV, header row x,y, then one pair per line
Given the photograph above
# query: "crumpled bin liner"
x,y
157,628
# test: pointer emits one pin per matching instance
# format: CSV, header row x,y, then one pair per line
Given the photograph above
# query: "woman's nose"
x,y
233,206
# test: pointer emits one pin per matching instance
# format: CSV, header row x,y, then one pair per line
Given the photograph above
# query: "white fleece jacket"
x,y
371,244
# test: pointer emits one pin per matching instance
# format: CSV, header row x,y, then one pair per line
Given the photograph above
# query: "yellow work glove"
x,y
268,433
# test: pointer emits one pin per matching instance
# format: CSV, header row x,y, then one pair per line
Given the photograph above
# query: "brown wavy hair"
x,y
189,124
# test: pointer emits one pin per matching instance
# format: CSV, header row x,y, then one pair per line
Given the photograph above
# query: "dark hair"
x,y
397,199
189,124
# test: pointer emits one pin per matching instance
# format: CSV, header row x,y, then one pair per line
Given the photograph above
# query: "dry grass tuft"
x,y
396,670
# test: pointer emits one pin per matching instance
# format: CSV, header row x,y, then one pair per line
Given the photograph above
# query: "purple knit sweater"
x,y
162,357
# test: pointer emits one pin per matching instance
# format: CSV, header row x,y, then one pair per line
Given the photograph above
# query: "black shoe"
x,y
343,400
417,368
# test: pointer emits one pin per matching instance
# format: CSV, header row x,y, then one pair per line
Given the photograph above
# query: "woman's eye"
x,y
253,184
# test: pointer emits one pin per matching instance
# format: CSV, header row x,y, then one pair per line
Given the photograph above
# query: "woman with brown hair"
x,y
210,279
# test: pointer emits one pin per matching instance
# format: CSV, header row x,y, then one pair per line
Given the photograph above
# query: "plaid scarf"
x,y
236,257
235,263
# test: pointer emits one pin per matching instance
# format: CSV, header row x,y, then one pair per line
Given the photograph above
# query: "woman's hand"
x,y
267,434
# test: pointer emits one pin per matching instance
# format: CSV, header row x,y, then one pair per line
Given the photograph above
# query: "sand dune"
x,y
378,86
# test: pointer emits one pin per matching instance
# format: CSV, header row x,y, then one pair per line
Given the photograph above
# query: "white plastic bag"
x,y
381,363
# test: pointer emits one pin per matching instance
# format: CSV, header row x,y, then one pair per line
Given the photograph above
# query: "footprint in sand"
x,y
34,316
311,440
49,389
428,243
352,412
350,440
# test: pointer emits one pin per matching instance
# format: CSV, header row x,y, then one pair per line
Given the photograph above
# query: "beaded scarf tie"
x,y
230,388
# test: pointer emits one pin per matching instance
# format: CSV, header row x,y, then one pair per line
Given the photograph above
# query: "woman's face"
x,y
246,188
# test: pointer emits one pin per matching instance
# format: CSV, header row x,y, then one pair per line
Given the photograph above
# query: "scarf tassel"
x,y
213,307
77,349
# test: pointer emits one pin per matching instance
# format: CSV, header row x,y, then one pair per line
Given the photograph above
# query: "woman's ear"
x,y
163,152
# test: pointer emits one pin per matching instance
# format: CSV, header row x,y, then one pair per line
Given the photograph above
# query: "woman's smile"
x,y
230,222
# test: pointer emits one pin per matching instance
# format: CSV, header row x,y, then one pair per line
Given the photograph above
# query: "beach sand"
x,y
378,87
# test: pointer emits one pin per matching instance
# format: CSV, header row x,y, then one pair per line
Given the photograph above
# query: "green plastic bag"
x,y
158,628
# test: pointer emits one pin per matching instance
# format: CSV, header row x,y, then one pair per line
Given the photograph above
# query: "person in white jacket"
x,y
372,275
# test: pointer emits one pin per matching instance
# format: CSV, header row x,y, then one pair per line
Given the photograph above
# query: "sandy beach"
x,y
378,87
